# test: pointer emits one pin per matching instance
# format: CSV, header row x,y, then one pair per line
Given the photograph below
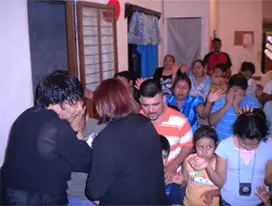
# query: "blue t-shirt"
x,y
202,89
224,126
230,190
188,108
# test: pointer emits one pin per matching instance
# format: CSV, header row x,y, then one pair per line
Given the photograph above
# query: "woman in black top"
x,y
45,145
165,75
127,167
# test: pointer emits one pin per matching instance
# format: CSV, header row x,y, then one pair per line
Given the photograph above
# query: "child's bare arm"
x,y
208,196
185,173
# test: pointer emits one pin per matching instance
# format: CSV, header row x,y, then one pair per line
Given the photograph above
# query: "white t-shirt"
x,y
268,87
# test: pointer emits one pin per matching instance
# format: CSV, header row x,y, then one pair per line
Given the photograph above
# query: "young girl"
x,y
243,161
200,189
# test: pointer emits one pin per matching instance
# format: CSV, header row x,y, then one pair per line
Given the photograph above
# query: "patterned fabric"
x,y
199,182
201,90
143,29
189,108
166,84
224,126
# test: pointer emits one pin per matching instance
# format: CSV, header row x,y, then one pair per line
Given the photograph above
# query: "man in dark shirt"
x,y
217,57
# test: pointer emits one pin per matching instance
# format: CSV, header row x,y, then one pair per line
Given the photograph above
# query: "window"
x,y
97,43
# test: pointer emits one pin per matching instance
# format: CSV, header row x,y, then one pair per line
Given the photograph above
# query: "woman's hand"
x,y
78,123
178,179
213,97
198,163
88,94
268,50
245,109
175,68
138,83
264,195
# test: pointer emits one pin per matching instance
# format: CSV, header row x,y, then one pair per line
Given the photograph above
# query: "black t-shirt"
x,y
42,152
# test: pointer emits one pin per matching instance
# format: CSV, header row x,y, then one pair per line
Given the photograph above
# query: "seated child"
x,y
173,190
218,80
200,190
248,70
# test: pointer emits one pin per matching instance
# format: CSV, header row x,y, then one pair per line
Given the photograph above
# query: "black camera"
x,y
245,189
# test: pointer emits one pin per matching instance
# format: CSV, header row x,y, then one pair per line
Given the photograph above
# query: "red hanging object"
x,y
108,15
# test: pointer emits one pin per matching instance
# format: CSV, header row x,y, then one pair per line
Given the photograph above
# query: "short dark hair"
x,y
205,131
216,40
112,99
130,76
251,125
58,87
182,77
248,66
223,67
150,88
165,144
238,80
170,56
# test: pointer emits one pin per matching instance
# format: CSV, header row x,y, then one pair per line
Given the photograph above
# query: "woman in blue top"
x,y
189,105
243,162
201,82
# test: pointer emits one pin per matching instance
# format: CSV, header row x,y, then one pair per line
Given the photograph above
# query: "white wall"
x,y
190,9
240,15
16,82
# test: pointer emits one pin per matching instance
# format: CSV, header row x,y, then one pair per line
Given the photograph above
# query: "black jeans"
x,y
10,196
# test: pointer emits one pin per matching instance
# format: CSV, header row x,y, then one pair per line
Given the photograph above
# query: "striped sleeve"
x,y
186,135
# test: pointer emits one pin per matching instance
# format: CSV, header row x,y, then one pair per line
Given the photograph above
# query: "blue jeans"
x,y
175,194
77,202
10,196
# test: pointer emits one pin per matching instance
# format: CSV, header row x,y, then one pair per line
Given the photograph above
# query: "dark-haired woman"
x,y
190,106
243,161
45,145
201,82
127,167
166,74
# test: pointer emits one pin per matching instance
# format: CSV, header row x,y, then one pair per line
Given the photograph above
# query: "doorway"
x,y
184,39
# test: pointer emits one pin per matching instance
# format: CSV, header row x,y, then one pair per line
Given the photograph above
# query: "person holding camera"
x,y
243,162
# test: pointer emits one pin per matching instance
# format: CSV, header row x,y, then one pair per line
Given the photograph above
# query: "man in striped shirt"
x,y
168,122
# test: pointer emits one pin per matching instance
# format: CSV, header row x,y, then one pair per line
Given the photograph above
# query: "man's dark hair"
x,y
58,87
217,40
248,66
130,76
251,125
223,67
150,88
238,80
165,144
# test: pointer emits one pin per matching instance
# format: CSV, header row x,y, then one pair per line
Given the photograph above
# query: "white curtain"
x,y
184,39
